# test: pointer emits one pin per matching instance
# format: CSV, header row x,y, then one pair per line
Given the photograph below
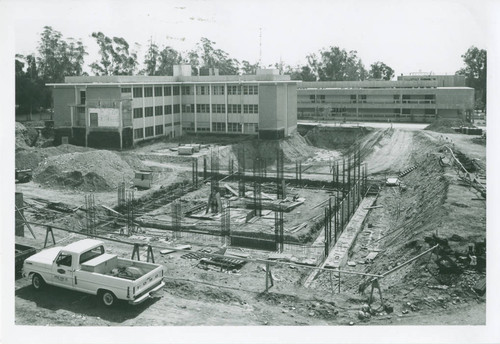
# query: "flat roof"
x,y
113,80
173,83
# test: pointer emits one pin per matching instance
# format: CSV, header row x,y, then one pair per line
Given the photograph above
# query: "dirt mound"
x,y
31,157
445,125
28,159
25,136
96,170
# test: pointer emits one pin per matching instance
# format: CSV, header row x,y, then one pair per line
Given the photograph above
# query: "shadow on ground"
x,y
53,298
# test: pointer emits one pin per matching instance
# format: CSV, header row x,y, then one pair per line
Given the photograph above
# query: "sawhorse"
x,y
150,255
49,229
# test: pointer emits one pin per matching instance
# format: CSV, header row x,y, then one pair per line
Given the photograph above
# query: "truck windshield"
x,y
90,254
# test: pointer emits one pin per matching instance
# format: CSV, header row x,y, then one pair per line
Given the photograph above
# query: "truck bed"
x,y
111,265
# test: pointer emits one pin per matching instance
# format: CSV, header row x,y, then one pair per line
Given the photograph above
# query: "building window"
x,y
203,108
250,108
363,98
148,111
218,126
137,92
322,98
148,91
312,98
353,98
137,112
159,129
158,91
201,90
186,108
138,133
234,90
406,111
429,111
168,109
177,108
218,108
234,127
158,110
83,97
167,90
149,131
125,90
218,90
186,90
175,90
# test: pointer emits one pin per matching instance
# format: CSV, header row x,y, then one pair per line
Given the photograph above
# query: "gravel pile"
x,y
96,170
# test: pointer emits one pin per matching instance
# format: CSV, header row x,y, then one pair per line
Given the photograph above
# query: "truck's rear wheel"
x,y
108,298
37,282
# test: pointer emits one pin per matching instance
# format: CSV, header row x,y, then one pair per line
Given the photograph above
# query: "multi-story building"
x,y
411,98
118,111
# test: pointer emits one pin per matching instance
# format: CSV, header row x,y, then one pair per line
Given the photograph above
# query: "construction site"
x,y
333,225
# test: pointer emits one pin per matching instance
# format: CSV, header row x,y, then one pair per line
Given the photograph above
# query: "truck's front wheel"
x,y
108,298
37,282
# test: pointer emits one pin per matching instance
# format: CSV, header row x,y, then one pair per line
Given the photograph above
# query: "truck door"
x,y
62,270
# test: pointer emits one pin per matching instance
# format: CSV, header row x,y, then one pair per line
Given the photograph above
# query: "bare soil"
x,y
432,202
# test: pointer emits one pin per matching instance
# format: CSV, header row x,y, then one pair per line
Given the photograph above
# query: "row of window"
x,y
149,111
221,108
139,133
321,97
160,91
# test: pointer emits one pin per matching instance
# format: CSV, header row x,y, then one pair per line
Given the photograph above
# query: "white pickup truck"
x,y
84,266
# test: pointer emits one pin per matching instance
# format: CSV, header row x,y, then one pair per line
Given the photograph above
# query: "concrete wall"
x,y
453,98
291,108
103,93
268,108
63,97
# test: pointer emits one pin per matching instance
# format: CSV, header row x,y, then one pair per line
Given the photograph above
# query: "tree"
x,y
31,93
248,69
116,57
380,70
57,57
167,59
475,74
151,60
335,64
205,56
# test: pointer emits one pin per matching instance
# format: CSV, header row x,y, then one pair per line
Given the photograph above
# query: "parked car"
x,y
84,266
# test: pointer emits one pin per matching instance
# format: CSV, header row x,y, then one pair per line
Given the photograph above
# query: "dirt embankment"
x,y
87,171
336,138
432,202
294,148
25,136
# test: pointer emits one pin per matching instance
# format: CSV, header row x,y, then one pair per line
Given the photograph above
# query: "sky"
x,y
409,36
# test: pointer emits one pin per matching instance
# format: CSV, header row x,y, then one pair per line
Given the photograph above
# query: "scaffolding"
x,y
280,182
129,212
279,230
225,222
257,186
176,217
121,194
90,217
241,172
195,172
